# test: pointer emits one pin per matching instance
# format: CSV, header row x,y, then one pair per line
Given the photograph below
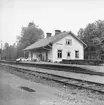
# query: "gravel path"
x,y
64,95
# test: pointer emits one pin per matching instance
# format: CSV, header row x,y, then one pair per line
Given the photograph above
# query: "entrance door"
x,y
46,56
68,55
40,56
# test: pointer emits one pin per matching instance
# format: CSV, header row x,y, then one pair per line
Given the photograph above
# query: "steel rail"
x,y
71,68
81,84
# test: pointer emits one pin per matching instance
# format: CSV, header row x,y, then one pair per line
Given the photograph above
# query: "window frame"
x,y
69,53
68,41
59,53
76,53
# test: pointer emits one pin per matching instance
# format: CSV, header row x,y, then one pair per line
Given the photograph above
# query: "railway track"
x,y
66,81
56,67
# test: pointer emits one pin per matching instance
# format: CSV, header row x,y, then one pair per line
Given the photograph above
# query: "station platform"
x,y
99,69
69,73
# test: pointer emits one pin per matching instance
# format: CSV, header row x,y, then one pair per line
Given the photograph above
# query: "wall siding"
x,y
61,45
34,55
50,55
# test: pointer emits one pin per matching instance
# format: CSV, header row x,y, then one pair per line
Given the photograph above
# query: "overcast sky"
x,y
48,15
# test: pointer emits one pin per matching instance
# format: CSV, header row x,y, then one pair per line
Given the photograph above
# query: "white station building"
x,y
63,45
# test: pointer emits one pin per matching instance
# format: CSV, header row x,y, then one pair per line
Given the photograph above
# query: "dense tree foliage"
x,y
93,36
0,50
29,35
9,52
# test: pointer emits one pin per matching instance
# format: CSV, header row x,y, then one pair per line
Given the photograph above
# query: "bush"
x,y
83,62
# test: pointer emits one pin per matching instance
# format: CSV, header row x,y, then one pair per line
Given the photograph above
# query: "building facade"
x,y
63,45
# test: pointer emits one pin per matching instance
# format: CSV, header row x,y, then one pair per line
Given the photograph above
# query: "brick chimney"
x,y
57,32
48,34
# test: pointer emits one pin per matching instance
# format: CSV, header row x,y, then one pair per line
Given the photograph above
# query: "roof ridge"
x,y
45,41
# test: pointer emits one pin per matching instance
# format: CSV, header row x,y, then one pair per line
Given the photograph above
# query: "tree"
x,y
0,53
81,33
5,52
29,35
9,52
0,50
6,45
93,35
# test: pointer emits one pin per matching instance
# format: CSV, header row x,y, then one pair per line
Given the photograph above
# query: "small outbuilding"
x,y
63,45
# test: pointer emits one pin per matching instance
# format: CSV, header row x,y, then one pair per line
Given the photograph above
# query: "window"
x,y
59,54
68,54
76,54
68,41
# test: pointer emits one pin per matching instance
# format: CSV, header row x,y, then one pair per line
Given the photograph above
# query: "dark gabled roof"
x,y
46,41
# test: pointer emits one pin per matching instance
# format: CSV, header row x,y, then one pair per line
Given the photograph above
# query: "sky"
x,y
49,15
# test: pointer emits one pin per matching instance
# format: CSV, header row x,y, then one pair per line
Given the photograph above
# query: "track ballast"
x,y
66,81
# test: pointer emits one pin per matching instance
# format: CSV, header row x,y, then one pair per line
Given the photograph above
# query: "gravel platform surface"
x,y
50,92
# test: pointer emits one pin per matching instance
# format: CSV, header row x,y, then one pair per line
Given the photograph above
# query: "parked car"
x,y
21,59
